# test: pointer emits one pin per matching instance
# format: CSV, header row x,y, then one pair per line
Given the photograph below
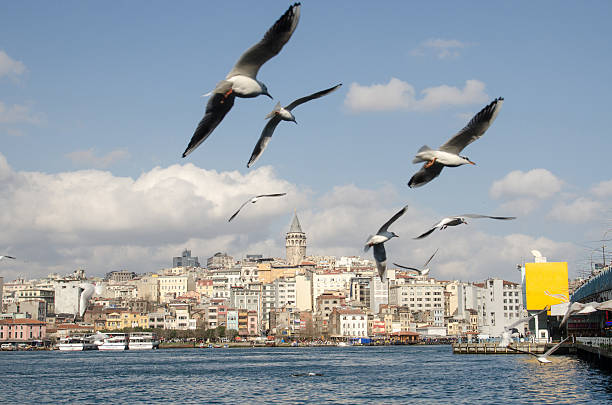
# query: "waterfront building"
x,y
126,319
21,330
331,281
185,260
219,261
232,320
67,296
348,322
121,275
295,243
204,287
31,308
326,302
47,296
245,298
171,287
500,304
418,294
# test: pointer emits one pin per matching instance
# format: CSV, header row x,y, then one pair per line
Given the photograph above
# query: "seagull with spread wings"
x,y
448,154
377,241
242,81
422,271
8,257
457,220
254,200
282,114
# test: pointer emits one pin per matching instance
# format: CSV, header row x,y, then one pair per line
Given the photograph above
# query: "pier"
x,y
494,348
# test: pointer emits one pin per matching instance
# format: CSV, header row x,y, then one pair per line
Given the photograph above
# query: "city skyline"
x,y
97,102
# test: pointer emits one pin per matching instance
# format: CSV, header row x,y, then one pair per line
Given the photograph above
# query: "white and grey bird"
x,y
377,241
448,154
242,81
7,256
508,330
543,358
253,200
282,114
457,220
578,308
422,271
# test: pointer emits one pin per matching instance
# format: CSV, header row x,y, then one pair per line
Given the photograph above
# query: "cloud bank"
x,y
400,95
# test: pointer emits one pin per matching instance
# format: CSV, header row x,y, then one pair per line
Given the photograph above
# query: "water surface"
x,y
351,375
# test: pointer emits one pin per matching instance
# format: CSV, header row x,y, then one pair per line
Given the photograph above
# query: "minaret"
x,y
295,242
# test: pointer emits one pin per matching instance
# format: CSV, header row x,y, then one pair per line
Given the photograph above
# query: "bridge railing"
x,y
601,342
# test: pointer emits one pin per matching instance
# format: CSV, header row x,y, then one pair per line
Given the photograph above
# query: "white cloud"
x,y
94,220
602,189
399,95
443,48
536,183
523,192
580,210
88,158
17,114
10,67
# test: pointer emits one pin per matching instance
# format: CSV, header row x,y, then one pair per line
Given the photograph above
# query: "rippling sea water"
x,y
351,375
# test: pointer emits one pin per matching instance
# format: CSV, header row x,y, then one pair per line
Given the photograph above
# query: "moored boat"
x,y
115,341
143,341
76,343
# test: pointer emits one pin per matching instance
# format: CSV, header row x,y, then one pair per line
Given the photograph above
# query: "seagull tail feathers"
x,y
277,108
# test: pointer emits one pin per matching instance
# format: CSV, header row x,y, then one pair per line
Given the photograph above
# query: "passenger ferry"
x,y
115,341
77,343
143,341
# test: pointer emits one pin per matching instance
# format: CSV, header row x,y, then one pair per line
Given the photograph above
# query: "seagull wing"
x,y
425,175
423,235
406,267
380,256
428,260
271,44
241,207
474,129
264,139
216,109
525,319
485,216
8,257
272,195
555,347
311,97
392,220
521,351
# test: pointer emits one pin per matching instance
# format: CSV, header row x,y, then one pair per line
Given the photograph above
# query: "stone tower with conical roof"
x,y
295,242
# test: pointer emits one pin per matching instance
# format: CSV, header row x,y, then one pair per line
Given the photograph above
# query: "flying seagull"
x,y
242,81
7,256
507,333
423,271
457,220
254,200
378,240
448,154
542,358
580,309
282,114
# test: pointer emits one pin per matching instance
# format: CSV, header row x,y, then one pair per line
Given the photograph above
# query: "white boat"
x,y
115,341
76,343
143,341
342,344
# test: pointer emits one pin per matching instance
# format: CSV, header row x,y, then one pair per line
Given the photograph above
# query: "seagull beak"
x,y
472,163
268,94
295,121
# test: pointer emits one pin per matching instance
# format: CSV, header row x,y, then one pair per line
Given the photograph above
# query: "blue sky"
x,y
99,100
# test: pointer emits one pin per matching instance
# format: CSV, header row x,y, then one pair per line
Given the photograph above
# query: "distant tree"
x,y
221,331
231,334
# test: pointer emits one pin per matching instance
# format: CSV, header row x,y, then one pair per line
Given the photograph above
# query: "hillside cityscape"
x,y
298,297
